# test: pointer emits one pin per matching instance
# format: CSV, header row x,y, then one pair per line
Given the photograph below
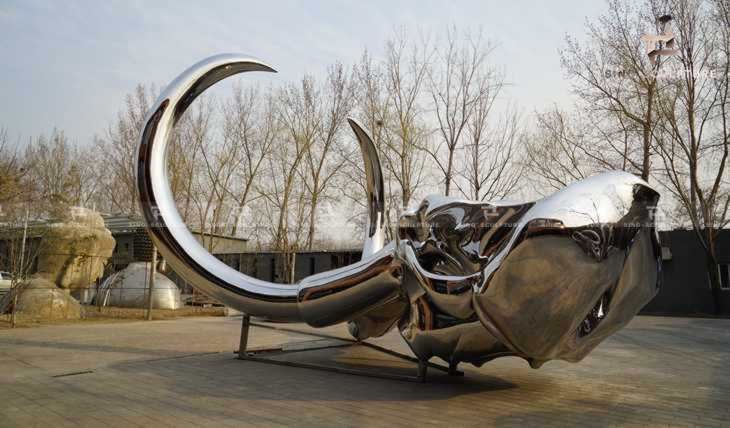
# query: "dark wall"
x,y
270,266
686,287
10,253
123,251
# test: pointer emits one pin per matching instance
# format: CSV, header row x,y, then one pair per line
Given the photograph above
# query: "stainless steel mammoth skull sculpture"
x,y
463,281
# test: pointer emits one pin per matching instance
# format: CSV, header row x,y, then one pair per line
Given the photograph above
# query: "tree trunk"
x,y
713,272
714,276
449,168
312,222
646,160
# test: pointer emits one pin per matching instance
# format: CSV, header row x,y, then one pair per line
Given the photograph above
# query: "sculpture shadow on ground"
x,y
225,376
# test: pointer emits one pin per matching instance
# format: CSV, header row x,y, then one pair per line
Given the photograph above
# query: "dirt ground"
x,y
657,372
112,314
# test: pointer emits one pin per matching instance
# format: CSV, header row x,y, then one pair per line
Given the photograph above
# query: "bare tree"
x,y
617,85
321,159
55,170
389,98
12,172
405,70
372,98
19,199
556,150
253,129
460,79
492,169
219,160
117,149
286,199
695,137
185,163
371,109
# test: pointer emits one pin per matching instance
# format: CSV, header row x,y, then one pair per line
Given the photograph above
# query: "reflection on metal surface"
x,y
463,281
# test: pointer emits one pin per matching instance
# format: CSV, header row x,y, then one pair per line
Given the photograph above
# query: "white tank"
x,y
128,289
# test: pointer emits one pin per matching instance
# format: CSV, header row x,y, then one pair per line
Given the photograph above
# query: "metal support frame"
x,y
243,344
264,354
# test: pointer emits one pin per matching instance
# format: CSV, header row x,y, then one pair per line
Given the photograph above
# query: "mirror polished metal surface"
x,y
462,281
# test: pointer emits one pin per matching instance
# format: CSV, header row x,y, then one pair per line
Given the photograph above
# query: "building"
x,y
133,244
685,288
269,266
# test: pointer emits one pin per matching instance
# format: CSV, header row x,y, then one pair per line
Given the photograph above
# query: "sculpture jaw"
x,y
543,290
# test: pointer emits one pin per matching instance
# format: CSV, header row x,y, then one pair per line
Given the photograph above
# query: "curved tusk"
x,y
325,298
375,235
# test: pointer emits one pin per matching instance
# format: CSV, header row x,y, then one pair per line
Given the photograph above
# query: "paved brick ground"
x,y
657,372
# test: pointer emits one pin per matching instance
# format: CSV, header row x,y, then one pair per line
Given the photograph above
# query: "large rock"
x,y
75,249
41,299
72,255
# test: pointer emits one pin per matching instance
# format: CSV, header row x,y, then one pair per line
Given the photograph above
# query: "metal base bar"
x,y
257,355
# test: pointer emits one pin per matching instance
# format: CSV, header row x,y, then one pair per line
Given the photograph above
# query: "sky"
x,y
70,64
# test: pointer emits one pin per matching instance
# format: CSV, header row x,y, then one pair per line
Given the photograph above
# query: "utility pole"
x,y
19,270
292,271
153,270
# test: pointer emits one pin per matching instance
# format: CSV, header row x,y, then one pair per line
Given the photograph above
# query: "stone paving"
x,y
656,372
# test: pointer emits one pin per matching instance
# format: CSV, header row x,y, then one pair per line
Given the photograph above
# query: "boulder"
x,y
41,299
75,249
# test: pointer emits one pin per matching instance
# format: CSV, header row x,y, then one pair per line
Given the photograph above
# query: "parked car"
x,y
5,283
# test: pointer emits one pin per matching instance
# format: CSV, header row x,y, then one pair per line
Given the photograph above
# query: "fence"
x,y
38,297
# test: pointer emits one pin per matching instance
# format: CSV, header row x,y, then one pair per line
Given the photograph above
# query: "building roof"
x,y
125,223
303,251
122,223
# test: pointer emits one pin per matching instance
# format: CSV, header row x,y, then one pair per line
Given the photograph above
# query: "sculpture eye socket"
x,y
543,226
595,316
